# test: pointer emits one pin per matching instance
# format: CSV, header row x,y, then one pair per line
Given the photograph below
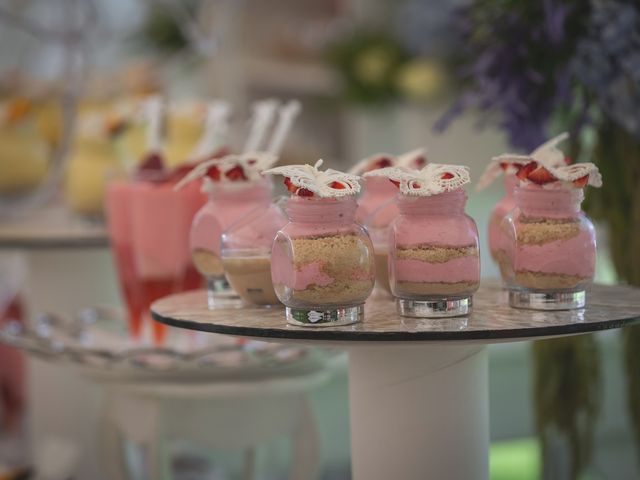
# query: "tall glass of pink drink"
x,y
149,225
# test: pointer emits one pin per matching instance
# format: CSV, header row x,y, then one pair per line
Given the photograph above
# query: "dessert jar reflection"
x,y
246,254
322,266
497,239
227,203
434,262
551,249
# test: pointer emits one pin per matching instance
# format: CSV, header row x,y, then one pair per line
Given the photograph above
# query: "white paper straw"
x,y
154,113
215,132
286,116
263,114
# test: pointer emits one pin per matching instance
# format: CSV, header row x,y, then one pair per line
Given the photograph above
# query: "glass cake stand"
x,y
197,387
418,387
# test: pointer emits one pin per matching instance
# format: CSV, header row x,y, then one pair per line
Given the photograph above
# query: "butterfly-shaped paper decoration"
x,y
433,179
413,159
232,168
325,184
546,165
547,154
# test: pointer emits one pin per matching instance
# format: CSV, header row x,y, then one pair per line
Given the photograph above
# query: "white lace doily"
x,y
251,163
415,159
321,183
547,155
433,179
510,162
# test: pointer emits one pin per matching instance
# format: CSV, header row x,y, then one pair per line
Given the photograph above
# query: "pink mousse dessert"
x,y
434,263
234,188
376,206
322,263
509,165
501,209
551,246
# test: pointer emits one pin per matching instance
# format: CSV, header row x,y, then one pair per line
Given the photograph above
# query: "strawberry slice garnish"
x,y
337,185
581,182
541,176
524,170
290,186
301,192
213,173
236,174
447,176
152,163
382,162
420,162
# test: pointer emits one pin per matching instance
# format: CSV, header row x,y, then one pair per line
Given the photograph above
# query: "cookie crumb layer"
x,y
548,281
435,288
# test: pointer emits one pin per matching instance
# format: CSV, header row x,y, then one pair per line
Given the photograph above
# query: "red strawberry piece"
x,y
541,176
581,182
290,186
152,162
213,173
504,165
337,185
382,162
236,174
568,160
303,192
395,182
524,170
420,162
447,176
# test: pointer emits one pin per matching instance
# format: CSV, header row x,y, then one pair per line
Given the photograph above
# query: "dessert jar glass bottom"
x,y
322,263
551,250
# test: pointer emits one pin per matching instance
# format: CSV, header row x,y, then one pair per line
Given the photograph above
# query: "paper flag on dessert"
x,y
546,165
433,179
547,154
307,180
415,159
246,167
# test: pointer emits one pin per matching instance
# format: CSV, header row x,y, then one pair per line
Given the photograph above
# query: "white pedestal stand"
x,y
419,412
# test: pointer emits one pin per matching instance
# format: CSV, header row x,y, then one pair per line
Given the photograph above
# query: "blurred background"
x,y
467,80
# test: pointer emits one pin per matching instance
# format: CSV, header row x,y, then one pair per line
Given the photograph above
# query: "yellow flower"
x,y
372,66
421,80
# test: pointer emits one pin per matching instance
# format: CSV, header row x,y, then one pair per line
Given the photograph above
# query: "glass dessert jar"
x,y
551,248
497,242
246,254
434,264
227,203
322,262
377,225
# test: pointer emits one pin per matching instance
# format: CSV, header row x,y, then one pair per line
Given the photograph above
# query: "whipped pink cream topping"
x,y
574,256
462,269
